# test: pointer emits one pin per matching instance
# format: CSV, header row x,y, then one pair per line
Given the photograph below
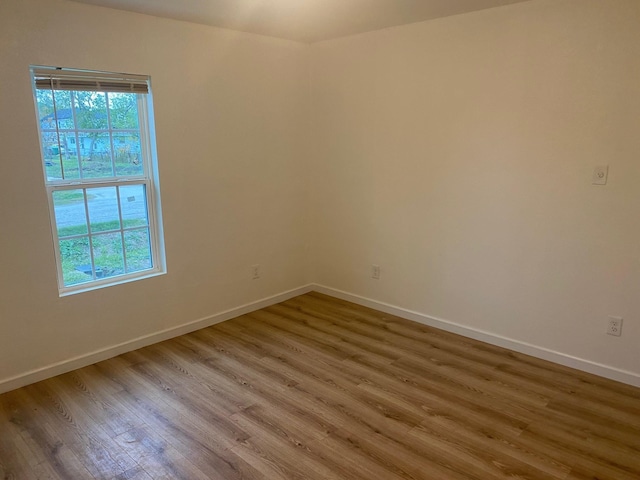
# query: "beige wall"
x,y
230,113
457,154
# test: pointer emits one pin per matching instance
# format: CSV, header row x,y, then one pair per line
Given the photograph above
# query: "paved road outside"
x,y
103,207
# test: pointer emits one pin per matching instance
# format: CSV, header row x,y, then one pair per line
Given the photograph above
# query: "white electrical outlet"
x,y
614,326
600,174
375,272
255,272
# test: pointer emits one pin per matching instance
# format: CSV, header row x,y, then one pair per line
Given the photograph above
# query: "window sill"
x,y
110,282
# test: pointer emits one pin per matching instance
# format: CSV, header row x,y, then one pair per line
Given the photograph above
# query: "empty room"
x,y
320,239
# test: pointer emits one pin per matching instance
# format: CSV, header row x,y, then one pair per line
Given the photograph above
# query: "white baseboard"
x,y
105,353
607,371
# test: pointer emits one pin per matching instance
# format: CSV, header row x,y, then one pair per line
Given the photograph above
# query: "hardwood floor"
x,y
319,388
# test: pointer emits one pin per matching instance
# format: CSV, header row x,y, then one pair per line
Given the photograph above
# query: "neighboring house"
x,y
97,142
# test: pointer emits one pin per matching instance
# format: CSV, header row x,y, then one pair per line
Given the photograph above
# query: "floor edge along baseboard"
x,y
606,371
68,365
80,361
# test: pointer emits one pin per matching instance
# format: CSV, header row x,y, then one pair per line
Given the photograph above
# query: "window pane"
x,y
133,202
123,108
51,156
103,209
91,110
95,148
138,250
71,218
69,155
60,159
76,261
62,117
44,99
127,153
107,254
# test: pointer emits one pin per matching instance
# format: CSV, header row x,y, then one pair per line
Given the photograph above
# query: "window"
x,y
100,175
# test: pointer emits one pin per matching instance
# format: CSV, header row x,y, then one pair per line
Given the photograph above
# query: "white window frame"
x,y
149,179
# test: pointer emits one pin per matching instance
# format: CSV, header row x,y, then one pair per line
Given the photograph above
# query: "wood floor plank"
x,y
399,457
319,388
197,439
502,450
91,441
16,459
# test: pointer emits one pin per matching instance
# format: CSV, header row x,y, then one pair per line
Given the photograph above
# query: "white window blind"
x,y
57,79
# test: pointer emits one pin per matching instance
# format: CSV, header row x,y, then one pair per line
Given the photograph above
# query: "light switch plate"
x,y
600,175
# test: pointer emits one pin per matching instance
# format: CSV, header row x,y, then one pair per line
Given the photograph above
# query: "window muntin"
x,y
99,175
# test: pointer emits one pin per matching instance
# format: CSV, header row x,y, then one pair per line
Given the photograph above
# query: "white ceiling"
x,y
302,20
